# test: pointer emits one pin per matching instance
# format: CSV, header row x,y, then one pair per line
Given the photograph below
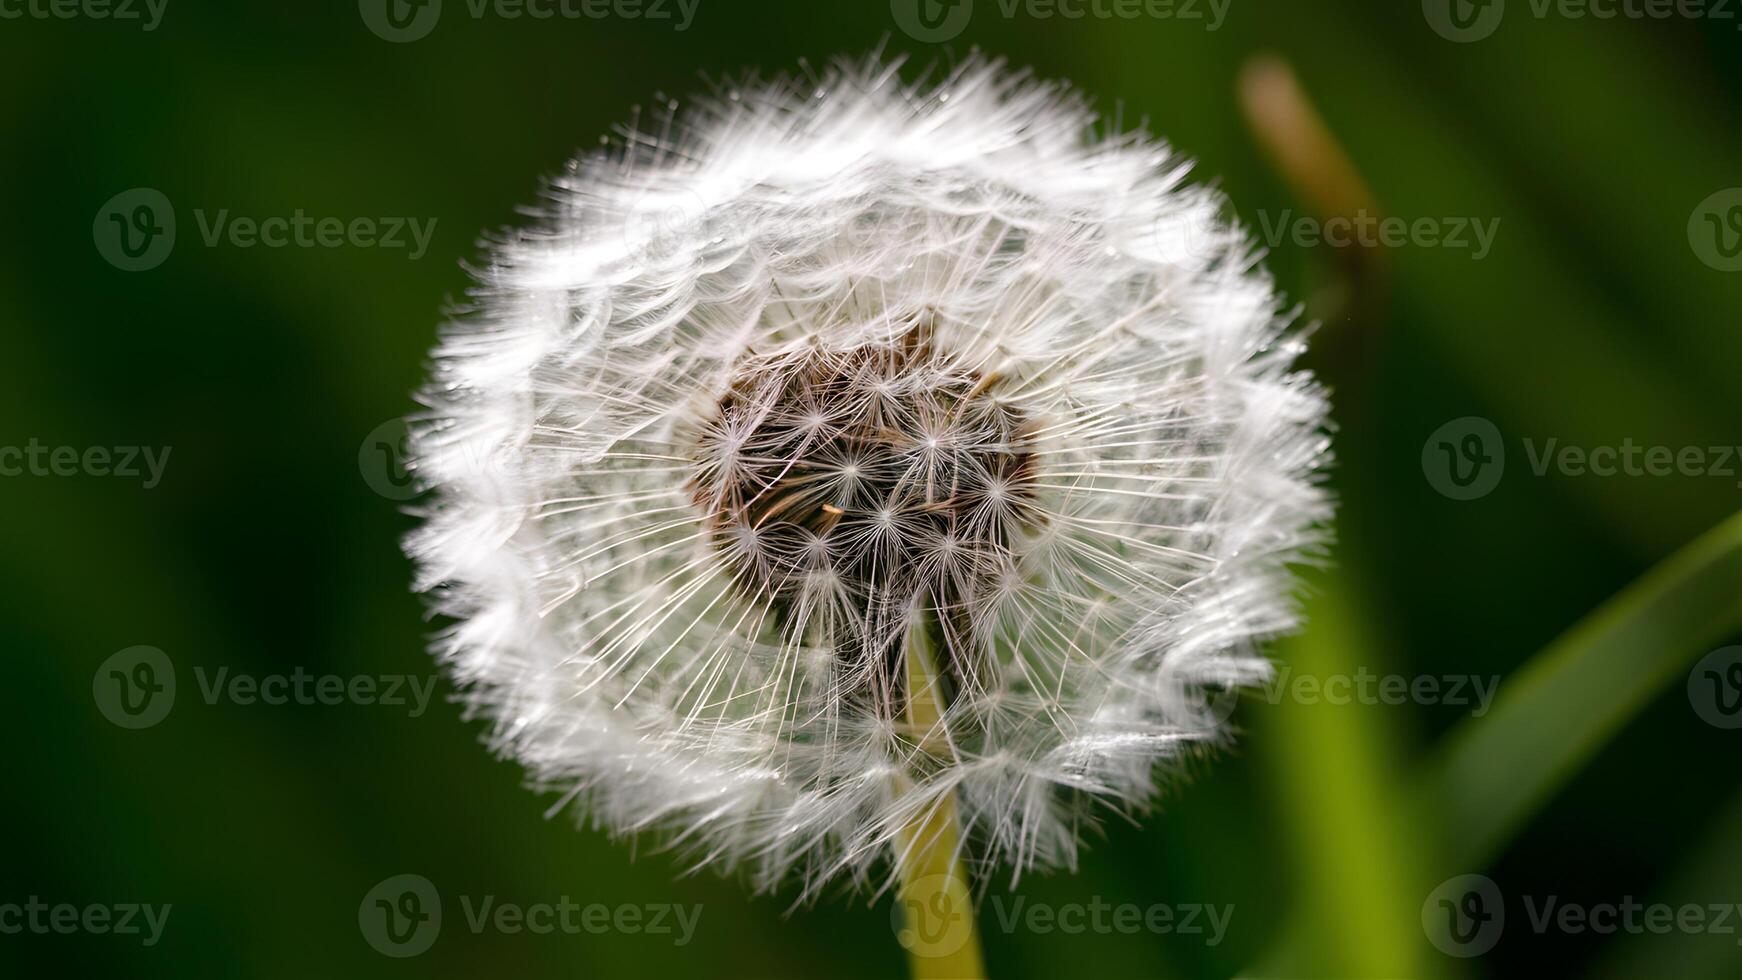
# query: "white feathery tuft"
x,y
820,361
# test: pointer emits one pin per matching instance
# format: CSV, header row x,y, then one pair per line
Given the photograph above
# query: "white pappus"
x,y
775,381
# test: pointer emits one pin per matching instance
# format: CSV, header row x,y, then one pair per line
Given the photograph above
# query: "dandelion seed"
x,y
815,364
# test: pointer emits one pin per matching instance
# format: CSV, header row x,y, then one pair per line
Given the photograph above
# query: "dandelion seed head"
x,y
780,377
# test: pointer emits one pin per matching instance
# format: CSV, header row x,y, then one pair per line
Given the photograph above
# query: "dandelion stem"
x,y
935,897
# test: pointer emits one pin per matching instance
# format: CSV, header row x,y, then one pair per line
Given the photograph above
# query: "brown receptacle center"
x,y
883,472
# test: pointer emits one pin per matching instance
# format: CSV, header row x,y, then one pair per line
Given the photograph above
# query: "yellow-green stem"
x,y
935,896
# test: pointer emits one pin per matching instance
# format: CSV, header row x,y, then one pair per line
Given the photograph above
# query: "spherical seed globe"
x,y
815,369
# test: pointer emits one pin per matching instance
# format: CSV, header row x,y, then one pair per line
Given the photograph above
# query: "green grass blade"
x,y
1561,707
1335,769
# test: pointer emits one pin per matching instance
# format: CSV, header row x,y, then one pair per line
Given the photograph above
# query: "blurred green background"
x,y
264,549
